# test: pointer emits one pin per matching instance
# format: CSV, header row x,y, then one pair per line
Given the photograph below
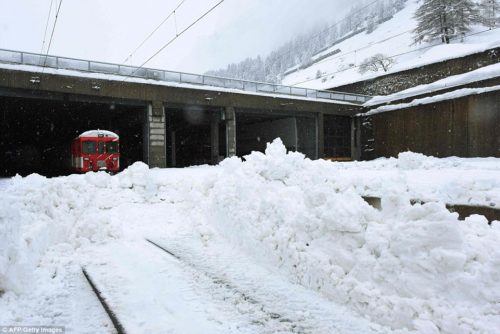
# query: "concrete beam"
x,y
119,89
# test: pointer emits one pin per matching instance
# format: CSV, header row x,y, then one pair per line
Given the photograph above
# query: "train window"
x,y
112,147
88,147
101,147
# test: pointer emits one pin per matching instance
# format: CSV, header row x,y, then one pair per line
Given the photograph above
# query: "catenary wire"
x,y
174,38
153,32
47,25
52,34
362,48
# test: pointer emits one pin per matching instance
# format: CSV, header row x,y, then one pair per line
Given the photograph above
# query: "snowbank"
x,y
414,267
408,266
37,213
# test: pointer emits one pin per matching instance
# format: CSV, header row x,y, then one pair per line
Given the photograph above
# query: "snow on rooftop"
x,y
98,133
433,99
484,73
120,78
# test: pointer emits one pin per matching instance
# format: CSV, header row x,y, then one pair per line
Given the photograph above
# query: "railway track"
x,y
261,315
173,286
112,315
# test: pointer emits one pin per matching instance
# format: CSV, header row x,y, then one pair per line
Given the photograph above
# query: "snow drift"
x,y
406,266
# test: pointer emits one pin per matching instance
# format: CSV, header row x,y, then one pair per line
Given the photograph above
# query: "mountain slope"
x,y
394,39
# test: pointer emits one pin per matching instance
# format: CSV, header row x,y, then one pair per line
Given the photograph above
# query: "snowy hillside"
x,y
275,244
393,39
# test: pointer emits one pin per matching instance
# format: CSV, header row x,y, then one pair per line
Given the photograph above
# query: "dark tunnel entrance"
x,y
36,133
255,129
337,137
195,136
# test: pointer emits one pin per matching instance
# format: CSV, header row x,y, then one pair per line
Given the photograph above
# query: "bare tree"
x,y
376,63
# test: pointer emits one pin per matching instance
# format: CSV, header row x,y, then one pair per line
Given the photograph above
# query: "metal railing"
x,y
36,59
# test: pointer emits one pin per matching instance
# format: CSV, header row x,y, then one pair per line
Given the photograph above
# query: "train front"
x,y
96,150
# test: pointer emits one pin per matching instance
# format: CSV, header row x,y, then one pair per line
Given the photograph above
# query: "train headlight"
x,y
86,159
115,159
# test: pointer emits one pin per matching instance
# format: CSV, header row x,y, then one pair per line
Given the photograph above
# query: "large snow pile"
x,y
393,39
414,267
37,213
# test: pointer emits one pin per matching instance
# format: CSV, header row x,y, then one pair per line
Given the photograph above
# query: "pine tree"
x,y
489,11
381,11
371,24
444,19
465,15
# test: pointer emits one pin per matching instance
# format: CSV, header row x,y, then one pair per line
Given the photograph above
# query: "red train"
x,y
96,150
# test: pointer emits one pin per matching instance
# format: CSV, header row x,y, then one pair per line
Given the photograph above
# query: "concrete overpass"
x,y
164,118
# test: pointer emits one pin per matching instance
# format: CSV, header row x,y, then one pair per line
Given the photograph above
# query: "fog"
x,y
110,30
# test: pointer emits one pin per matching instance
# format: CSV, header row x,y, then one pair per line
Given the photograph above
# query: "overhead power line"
x,y
54,26
154,31
47,25
174,38
52,34
326,60
392,56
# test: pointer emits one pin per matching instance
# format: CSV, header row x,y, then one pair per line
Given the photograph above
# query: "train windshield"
x,y
101,147
112,147
88,147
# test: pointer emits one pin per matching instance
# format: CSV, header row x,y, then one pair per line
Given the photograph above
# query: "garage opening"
x,y
255,129
36,133
195,136
337,137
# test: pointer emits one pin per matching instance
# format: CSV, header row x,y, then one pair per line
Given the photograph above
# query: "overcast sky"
x,y
109,30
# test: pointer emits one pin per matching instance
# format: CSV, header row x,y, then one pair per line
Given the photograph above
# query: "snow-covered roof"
x,y
434,99
484,73
97,133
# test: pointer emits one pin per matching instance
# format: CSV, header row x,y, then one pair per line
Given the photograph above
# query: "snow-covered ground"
x,y
274,244
394,39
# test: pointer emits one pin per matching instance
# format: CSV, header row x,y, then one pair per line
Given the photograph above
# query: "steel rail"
x,y
112,315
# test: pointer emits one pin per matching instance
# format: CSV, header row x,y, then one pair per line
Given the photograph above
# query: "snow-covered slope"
x,y
392,38
273,244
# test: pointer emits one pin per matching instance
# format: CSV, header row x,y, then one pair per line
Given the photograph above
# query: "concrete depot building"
x,y
162,123
177,124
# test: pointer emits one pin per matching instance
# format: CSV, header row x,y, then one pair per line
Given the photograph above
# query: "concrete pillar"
x,y
320,135
157,156
214,137
230,115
